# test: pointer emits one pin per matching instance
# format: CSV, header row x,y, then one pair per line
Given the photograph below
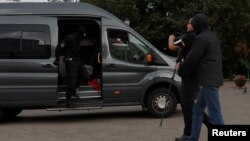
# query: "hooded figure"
x,y
199,23
81,32
205,54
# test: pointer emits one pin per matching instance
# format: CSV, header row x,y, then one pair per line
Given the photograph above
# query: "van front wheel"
x,y
159,102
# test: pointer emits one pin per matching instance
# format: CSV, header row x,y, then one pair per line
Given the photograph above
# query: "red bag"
x,y
95,84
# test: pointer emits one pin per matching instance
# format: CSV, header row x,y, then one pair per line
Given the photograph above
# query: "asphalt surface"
x,y
117,123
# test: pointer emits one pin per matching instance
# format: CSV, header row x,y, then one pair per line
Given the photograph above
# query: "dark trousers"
x,y
190,90
72,68
76,73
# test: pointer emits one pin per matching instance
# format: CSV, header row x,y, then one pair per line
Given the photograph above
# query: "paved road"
x,y
116,124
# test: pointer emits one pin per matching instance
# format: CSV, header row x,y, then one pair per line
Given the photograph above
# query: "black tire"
x,y
156,102
11,113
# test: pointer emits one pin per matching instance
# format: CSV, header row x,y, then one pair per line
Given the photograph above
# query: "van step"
x,y
73,108
82,95
81,88
82,102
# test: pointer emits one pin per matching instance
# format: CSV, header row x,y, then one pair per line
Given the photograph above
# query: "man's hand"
x,y
171,45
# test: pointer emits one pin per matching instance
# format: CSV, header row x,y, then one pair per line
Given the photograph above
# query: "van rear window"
x,y
24,41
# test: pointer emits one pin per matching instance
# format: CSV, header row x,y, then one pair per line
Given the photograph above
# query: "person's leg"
x,y
187,102
198,112
69,86
213,106
206,120
74,77
71,80
187,107
190,89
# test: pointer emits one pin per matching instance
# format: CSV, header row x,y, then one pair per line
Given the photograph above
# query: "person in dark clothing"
x,y
205,57
70,47
190,86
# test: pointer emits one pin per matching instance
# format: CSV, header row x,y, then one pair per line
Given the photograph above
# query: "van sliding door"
x,y
27,75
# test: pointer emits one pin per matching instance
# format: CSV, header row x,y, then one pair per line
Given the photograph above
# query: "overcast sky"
x,y
25,0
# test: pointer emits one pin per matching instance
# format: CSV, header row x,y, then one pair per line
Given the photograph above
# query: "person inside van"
x,y
70,47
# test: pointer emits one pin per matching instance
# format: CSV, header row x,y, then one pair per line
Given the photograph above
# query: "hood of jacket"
x,y
199,23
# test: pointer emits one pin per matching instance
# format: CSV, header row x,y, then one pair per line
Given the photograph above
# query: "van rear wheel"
x,y
158,103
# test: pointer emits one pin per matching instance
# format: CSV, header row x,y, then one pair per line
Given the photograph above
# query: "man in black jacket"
x,y
190,86
70,47
205,57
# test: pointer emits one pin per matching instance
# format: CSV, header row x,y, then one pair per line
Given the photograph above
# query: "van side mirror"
x,y
149,57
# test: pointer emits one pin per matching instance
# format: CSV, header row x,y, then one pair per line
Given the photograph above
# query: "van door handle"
x,y
50,66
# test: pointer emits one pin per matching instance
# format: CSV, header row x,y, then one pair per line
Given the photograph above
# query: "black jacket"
x,y
187,39
71,45
204,56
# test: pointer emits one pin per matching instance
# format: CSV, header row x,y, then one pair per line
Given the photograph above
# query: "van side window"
x,y
24,42
126,47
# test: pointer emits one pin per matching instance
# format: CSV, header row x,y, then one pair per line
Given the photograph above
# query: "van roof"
x,y
52,8
59,9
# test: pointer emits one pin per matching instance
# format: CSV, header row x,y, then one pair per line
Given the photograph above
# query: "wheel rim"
x,y
161,102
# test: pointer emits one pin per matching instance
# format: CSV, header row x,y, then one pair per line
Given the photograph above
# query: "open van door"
x,y
28,77
90,54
